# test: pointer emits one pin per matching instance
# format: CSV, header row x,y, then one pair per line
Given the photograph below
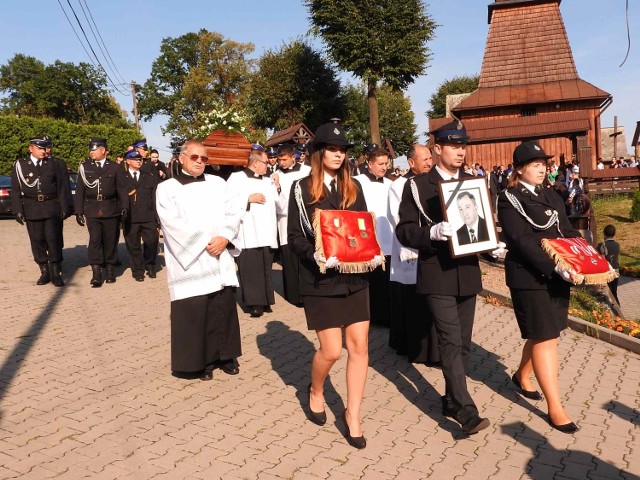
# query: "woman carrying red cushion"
x,y
539,290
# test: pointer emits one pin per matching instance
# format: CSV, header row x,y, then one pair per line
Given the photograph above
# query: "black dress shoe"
x,y
566,428
256,312
447,407
151,272
267,309
229,367
206,376
475,424
319,418
355,442
530,394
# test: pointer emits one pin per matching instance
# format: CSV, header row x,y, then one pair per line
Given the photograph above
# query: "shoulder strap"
x,y
304,217
416,199
553,219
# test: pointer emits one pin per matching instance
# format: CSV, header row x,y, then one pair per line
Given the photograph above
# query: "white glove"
x,y
441,231
499,251
566,275
332,262
378,260
319,258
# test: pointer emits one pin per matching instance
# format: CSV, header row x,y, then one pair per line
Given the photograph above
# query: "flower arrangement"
x,y
607,320
220,118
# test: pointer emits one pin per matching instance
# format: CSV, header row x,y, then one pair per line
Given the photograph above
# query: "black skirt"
x,y
336,311
541,314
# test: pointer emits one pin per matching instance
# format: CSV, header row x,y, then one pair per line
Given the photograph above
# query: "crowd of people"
x,y
221,229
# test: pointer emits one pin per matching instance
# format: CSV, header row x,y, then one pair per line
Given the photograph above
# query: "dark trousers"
x,y
290,271
613,286
141,256
412,330
379,294
204,329
103,240
46,239
453,317
254,271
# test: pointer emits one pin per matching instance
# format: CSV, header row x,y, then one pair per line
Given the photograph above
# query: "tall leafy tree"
x,y
380,42
61,90
453,86
397,121
194,73
293,84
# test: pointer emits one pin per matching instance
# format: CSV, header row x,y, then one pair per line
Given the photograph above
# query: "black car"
x,y
5,195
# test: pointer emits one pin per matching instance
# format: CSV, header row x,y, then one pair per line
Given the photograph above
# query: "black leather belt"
x,y
41,197
100,197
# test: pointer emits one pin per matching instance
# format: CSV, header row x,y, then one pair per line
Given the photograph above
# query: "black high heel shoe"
x,y
566,428
530,394
355,442
319,418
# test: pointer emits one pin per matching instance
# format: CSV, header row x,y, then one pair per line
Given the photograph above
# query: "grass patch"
x,y
615,210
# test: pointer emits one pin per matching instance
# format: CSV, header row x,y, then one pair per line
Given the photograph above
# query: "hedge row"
x,y
70,141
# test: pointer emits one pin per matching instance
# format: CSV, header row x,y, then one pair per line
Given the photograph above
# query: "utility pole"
x,y
135,105
615,136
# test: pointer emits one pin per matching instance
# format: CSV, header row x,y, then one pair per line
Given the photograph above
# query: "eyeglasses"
x,y
195,157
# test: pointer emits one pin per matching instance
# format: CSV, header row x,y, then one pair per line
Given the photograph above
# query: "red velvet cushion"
x,y
581,256
348,236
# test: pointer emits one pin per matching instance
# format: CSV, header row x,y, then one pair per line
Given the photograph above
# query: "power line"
x,y
77,36
96,34
84,34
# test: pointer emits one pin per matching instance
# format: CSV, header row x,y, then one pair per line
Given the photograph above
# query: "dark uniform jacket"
x,y
48,200
87,199
527,266
138,198
311,281
438,272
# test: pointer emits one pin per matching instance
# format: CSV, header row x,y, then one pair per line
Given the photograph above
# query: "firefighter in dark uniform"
x,y
97,205
449,284
137,199
40,196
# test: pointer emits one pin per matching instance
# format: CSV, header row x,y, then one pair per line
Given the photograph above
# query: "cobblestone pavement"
x,y
629,295
86,392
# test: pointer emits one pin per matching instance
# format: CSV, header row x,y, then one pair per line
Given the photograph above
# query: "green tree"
x,y
397,121
634,213
62,91
379,42
454,86
293,84
194,73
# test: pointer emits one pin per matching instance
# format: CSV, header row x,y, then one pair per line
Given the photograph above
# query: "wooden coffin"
x,y
225,148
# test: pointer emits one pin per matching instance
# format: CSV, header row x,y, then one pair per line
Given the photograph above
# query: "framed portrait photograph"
x,y
466,204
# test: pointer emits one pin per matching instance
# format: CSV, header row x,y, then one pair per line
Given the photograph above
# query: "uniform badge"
x,y
336,131
30,174
352,242
459,125
364,234
548,213
537,147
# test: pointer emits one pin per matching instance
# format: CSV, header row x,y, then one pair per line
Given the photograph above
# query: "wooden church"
x,y
530,90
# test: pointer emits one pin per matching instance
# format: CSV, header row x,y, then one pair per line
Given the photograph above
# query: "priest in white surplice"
x,y
375,187
257,235
411,332
199,217
288,171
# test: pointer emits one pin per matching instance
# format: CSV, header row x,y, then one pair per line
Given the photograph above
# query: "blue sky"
x,y
133,30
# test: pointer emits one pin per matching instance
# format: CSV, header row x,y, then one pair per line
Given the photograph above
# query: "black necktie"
x,y
473,236
39,166
537,190
135,176
99,165
333,188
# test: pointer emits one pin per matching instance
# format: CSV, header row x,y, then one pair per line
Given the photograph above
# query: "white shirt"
x,y
529,187
376,194
447,175
404,264
282,201
35,160
258,227
191,215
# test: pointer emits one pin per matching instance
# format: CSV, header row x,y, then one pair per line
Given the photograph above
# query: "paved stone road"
x,y
629,295
85,392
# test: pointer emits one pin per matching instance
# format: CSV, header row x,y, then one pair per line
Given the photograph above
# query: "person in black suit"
x,y
40,196
96,205
333,301
539,290
449,284
475,227
137,199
